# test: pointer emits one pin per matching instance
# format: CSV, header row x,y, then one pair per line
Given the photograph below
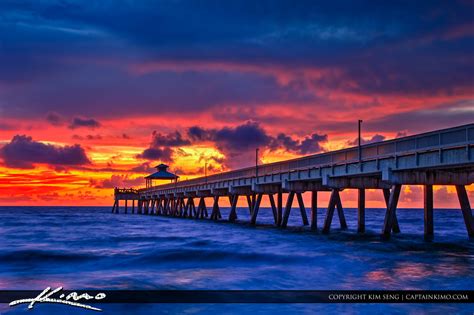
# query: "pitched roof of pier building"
x,y
162,173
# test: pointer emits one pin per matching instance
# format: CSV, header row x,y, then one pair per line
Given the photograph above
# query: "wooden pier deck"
x,y
442,157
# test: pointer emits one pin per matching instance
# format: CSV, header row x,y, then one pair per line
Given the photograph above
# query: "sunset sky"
x,y
94,94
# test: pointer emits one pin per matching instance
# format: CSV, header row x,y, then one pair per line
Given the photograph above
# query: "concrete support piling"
x,y
314,210
340,212
466,210
330,211
428,212
304,217
279,208
274,209
289,203
256,207
395,226
390,216
233,208
361,211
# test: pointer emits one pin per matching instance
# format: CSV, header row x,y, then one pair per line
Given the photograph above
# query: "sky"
x,y
93,95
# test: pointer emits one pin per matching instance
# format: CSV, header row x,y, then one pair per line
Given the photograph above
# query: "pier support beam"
x,y
340,212
233,208
133,206
186,208
304,217
200,213
173,206
153,202
428,211
466,210
330,211
279,208
256,207
126,205
334,202
250,203
159,207
202,209
140,206
193,207
114,206
389,220
314,210
289,203
170,207
165,205
177,206
181,206
274,209
386,195
361,211
216,213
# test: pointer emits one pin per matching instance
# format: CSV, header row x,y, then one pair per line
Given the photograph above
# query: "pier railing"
x,y
435,140
125,191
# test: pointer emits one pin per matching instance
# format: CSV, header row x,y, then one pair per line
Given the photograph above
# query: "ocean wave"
x,y
197,255
34,256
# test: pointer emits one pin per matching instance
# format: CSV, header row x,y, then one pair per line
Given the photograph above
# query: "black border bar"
x,y
257,296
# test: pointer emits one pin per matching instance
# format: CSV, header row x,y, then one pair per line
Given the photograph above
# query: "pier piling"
x,y
274,209
279,208
289,203
466,210
330,211
428,212
314,210
361,211
390,216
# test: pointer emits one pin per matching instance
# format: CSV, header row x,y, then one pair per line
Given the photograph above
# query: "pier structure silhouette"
x,y
441,157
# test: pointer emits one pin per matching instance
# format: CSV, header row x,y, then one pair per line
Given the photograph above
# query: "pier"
x,y
441,157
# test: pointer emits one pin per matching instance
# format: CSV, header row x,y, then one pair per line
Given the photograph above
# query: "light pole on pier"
x,y
205,170
256,164
359,141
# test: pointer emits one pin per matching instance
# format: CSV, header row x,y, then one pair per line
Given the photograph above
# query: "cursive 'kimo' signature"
x,y
71,299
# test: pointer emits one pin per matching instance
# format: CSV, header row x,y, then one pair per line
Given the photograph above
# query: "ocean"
x,y
91,248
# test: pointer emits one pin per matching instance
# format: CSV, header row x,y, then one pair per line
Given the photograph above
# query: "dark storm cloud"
x,y
161,144
117,181
23,152
236,142
69,57
87,137
54,119
249,136
80,122
157,154
310,144
143,168
375,138
169,140
233,140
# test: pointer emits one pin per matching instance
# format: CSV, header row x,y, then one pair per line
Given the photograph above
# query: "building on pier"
x,y
161,174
